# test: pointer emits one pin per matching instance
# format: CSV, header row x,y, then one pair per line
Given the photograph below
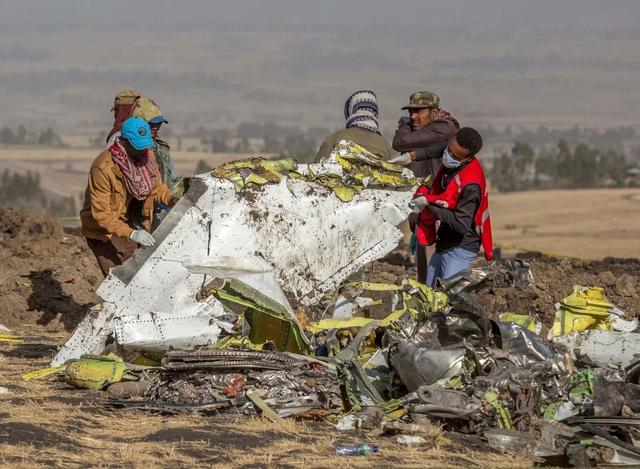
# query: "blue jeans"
x,y
448,263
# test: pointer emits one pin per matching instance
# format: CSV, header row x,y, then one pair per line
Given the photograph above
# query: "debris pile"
x,y
437,355
246,381
286,326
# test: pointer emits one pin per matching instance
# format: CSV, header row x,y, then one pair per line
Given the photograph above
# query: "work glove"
x,y
403,159
419,204
143,238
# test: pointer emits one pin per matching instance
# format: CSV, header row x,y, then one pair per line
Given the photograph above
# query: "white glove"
x,y
419,204
403,159
143,238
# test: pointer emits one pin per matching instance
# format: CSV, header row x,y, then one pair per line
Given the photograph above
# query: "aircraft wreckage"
x,y
283,231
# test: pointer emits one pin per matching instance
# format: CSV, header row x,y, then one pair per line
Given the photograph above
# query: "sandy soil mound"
x,y
49,275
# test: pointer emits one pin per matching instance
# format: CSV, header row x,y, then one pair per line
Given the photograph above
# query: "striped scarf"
x,y
361,111
139,176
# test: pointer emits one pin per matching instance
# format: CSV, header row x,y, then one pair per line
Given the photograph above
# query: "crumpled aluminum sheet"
x,y
520,272
435,349
607,349
558,439
516,340
466,280
417,366
303,239
517,270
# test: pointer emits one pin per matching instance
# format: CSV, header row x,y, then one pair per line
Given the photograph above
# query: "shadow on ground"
x,y
49,297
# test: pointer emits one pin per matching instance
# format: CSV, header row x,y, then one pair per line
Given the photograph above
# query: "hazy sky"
x,y
459,16
213,63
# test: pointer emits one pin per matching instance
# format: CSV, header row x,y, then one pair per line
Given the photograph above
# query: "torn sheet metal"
x,y
520,273
507,441
523,320
611,393
521,342
467,280
603,348
293,239
418,365
435,349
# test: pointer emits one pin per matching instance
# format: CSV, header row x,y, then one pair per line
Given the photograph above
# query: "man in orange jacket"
x,y
124,184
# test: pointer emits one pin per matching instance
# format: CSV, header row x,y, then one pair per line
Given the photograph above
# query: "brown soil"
x,y
49,275
554,279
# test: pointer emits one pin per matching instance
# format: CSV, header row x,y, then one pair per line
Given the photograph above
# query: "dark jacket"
x,y
435,132
457,227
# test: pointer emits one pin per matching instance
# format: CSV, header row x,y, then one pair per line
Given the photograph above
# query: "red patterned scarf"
x,y
139,176
122,113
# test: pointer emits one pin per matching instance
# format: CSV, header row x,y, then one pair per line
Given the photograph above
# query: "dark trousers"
x,y
423,253
422,261
111,253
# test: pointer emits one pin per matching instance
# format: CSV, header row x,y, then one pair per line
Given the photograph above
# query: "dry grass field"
x,y
590,224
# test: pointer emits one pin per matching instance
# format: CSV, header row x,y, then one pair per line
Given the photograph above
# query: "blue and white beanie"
x,y
361,111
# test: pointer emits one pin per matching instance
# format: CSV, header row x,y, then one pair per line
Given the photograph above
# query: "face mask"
x,y
449,161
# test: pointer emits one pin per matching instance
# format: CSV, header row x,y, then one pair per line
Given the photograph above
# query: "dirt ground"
x,y
49,281
554,279
49,275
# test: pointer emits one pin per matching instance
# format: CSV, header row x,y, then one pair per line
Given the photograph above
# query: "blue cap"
x,y
159,120
138,133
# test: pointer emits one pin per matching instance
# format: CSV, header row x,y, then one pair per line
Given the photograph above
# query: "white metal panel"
x,y
300,238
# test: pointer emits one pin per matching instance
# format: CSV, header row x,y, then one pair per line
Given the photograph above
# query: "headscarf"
x,y
361,111
123,106
139,176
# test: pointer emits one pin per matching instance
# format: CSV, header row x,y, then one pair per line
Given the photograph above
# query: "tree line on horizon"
x,y
581,166
23,191
22,136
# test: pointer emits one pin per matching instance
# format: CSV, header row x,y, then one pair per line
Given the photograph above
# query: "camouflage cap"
x,y
148,110
125,97
423,99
